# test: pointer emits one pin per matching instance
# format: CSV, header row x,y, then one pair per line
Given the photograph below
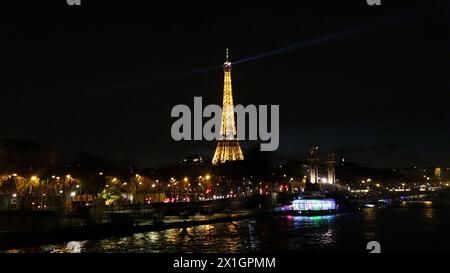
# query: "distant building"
x,y
437,173
314,164
193,160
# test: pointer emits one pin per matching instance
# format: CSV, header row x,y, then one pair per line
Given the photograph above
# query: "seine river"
x,y
407,228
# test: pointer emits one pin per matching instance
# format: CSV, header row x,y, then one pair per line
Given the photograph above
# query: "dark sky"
x,y
103,77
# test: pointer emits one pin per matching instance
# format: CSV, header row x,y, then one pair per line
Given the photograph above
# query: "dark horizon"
x,y
368,83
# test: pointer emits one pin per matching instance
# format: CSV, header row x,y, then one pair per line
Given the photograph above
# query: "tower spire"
x,y
227,56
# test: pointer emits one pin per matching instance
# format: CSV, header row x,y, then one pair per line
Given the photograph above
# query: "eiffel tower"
x,y
228,148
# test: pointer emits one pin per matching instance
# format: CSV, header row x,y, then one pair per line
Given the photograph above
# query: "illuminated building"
x,y
228,148
437,173
314,165
331,168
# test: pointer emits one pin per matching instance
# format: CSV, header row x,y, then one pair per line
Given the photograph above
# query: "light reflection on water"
x,y
420,229
279,232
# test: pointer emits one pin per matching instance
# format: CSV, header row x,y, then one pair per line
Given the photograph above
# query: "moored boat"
x,y
311,207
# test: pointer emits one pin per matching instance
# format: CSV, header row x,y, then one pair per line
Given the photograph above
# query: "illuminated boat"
x,y
313,207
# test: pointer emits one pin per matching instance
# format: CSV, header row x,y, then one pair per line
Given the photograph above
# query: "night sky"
x,y
369,83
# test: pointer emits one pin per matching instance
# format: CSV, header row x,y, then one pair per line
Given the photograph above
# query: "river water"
x,y
409,228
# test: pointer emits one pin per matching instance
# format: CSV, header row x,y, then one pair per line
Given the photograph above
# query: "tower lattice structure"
x,y
228,148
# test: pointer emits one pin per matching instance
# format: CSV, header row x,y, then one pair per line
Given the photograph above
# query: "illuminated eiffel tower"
x,y
228,148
